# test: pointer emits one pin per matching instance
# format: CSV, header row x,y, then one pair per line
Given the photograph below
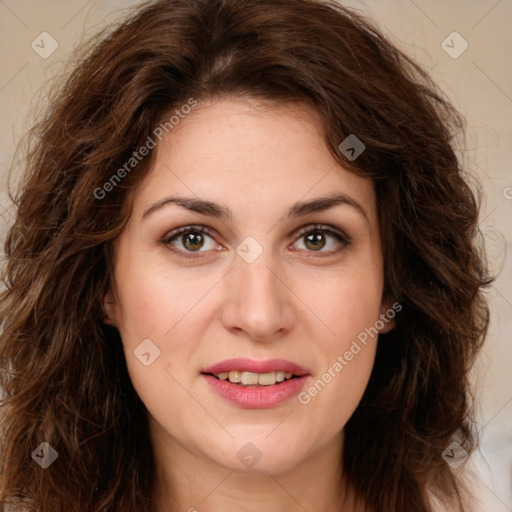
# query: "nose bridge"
x,y
258,283
258,278
258,299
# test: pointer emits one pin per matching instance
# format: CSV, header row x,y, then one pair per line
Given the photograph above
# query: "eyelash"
x,y
342,238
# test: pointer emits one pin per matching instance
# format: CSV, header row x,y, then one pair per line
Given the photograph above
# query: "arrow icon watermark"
x,y
351,147
146,352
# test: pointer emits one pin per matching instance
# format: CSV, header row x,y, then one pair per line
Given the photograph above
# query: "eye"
x,y
192,238
316,237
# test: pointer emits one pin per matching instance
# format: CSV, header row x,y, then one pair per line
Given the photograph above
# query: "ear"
x,y
109,309
388,311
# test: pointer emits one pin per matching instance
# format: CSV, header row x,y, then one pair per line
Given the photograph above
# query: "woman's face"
x,y
255,287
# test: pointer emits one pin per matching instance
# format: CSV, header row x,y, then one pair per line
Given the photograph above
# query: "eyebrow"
x,y
298,209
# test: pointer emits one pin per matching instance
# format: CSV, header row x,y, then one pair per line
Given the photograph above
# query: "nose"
x,y
259,300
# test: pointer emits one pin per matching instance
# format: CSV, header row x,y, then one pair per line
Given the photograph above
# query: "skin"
x,y
292,302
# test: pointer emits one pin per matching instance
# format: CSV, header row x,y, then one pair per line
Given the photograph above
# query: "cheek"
x,y
172,307
159,306
155,299
347,308
344,301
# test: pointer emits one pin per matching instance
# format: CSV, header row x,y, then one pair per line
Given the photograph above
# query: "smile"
x,y
254,384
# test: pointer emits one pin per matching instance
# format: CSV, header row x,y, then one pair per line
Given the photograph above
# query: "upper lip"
x,y
249,365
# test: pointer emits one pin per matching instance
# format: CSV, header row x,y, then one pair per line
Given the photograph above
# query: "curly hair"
x,y
64,374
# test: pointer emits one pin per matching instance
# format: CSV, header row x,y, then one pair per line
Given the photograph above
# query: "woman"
x,y
243,273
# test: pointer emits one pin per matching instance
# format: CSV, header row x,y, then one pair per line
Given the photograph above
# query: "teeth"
x,y
255,379
267,379
249,379
235,376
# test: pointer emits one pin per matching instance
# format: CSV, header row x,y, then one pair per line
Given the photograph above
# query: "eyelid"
x,y
327,228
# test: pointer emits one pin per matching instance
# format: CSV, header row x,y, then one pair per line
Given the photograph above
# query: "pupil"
x,y
314,238
195,240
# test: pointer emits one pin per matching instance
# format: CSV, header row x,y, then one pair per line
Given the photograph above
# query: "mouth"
x,y
252,384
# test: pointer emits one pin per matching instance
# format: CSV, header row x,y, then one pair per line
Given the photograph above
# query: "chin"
x,y
258,454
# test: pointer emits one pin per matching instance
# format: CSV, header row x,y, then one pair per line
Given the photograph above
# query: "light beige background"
x,y
479,82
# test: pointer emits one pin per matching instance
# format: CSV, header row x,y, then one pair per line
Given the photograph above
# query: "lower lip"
x,y
256,398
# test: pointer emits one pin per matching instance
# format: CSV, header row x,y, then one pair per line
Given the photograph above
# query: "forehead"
x,y
246,152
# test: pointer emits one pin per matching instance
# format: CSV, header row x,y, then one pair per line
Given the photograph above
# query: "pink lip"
x,y
248,365
258,397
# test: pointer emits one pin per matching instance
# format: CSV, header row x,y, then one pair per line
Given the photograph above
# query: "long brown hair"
x,y
63,370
